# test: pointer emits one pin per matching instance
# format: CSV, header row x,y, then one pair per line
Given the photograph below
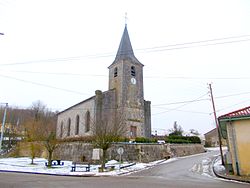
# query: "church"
x,y
125,97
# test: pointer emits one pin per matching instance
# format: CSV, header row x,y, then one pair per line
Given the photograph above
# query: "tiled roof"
x,y
239,113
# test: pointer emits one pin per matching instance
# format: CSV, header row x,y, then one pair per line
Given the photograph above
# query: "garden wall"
x,y
78,151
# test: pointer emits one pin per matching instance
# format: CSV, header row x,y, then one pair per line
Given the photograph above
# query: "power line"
x,y
198,78
195,42
191,101
198,100
58,59
156,105
180,102
148,77
232,95
181,105
202,45
232,105
44,85
187,111
144,50
58,73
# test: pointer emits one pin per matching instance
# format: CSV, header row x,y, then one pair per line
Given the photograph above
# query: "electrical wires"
x,y
43,85
202,43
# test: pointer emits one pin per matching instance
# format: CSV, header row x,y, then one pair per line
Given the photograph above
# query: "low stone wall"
x,y
140,152
78,151
179,150
74,151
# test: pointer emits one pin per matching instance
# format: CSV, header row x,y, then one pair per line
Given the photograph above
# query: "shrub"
x,y
145,140
183,139
86,139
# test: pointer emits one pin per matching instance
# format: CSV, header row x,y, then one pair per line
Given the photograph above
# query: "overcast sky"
x,y
58,51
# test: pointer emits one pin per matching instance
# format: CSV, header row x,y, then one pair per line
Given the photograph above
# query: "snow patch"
x,y
23,164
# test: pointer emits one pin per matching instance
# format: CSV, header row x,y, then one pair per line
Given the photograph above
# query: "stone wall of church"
x,y
109,106
71,115
147,119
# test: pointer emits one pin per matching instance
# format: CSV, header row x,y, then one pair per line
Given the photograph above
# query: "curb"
x,y
227,176
68,175
47,174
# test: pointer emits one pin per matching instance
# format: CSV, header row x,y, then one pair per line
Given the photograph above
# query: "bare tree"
x,y
176,130
41,128
194,132
48,135
106,132
32,136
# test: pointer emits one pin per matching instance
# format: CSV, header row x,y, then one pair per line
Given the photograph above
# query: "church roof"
x,y
125,50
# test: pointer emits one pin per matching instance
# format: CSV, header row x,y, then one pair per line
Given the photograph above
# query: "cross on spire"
x,y
126,18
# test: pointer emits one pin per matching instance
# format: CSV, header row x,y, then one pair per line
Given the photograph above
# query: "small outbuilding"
x,y
212,138
235,128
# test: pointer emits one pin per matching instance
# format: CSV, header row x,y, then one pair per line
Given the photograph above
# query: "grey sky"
x,y
58,52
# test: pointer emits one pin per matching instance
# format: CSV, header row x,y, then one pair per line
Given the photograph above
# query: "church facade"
x,y
124,98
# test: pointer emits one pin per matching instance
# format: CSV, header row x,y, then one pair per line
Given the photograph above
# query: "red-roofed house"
x,y
235,127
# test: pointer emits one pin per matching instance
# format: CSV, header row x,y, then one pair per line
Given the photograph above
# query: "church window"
x,y
61,130
77,125
69,124
133,131
115,72
87,121
132,71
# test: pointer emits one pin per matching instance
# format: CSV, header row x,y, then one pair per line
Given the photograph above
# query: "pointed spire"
x,y
125,49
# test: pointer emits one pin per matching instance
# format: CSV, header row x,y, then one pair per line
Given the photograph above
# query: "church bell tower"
x,y
126,77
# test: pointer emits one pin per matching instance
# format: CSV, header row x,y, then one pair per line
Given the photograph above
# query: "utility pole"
x,y
217,125
2,129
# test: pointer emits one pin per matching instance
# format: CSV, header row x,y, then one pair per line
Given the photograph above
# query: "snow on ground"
x,y
218,167
216,148
23,164
205,167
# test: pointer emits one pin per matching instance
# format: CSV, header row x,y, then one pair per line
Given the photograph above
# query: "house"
x,y
125,97
212,138
235,127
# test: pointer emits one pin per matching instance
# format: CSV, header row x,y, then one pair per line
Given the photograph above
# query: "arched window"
x,y
115,72
61,130
69,124
77,125
132,71
87,121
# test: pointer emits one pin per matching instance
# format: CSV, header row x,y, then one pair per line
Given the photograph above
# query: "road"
x,y
184,172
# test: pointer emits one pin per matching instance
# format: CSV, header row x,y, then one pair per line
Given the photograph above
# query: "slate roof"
x,y
125,50
244,112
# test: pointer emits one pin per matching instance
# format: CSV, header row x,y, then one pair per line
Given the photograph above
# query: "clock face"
x,y
133,80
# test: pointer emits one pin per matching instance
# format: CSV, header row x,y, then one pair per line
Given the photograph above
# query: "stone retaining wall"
x,y
77,151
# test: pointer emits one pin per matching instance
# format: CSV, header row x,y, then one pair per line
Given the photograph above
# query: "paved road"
x,y
185,172
189,172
